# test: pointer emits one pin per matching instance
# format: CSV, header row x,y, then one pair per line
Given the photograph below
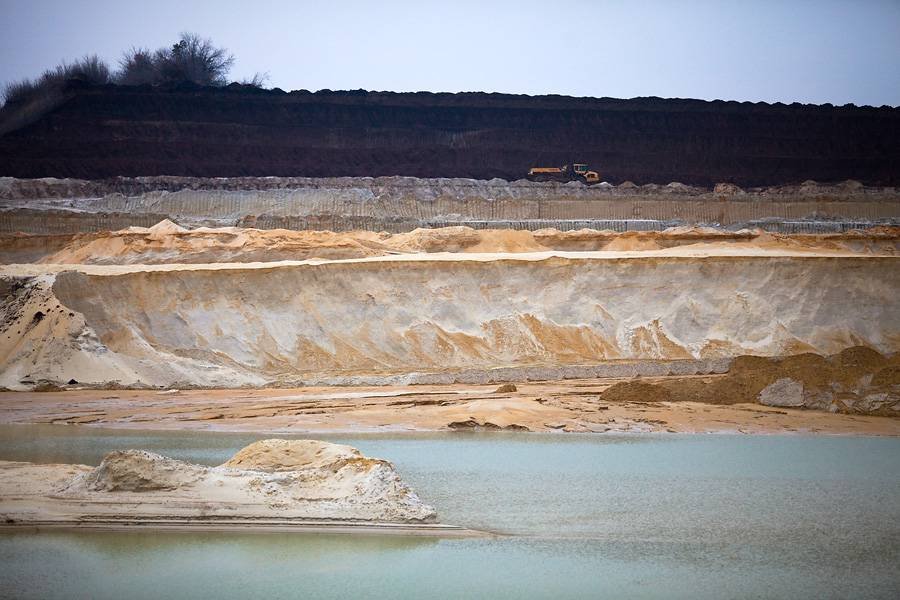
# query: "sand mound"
x,y
464,239
445,239
287,479
165,227
632,243
141,471
274,455
507,240
635,391
164,243
751,374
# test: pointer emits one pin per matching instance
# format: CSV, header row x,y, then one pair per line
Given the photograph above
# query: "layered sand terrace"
x,y
305,322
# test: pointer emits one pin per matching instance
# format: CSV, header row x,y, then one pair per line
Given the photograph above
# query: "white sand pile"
x,y
139,471
293,480
164,228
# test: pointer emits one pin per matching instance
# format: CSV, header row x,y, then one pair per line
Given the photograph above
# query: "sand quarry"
x,y
688,329
454,329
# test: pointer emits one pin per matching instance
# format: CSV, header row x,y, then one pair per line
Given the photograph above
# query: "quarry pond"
x,y
641,515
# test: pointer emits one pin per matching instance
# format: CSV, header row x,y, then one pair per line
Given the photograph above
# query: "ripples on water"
x,y
694,516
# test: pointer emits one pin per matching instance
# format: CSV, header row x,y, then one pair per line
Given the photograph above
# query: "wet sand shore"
x,y
564,406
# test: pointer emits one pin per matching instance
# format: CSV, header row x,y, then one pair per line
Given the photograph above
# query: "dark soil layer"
x,y
97,132
833,382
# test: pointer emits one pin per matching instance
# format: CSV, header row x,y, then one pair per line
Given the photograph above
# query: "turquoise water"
x,y
642,516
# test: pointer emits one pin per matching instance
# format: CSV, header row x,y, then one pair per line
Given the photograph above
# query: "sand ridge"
x,y
167,242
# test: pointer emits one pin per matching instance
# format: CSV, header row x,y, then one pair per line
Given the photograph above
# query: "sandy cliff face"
x,y
244,325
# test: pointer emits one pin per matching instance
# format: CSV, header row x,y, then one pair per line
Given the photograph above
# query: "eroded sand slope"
x,y
236,325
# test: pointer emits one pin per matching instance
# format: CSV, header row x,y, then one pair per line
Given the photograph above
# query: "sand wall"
x,y
289,323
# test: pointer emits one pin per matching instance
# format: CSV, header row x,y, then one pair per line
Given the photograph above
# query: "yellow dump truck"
x,y
578,172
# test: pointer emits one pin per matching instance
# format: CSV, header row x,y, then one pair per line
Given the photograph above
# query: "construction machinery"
x,y
578,172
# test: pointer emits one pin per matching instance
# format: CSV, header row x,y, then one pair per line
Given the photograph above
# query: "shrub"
x,y
19,91
192,58
137,67
258,80
90,69
195,59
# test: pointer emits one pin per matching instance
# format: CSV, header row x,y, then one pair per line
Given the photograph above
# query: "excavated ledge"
x,y
398,204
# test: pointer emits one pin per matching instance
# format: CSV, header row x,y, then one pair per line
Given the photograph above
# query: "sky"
x,y
837,51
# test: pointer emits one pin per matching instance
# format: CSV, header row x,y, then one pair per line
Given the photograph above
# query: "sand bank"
x,y
272,484
549,406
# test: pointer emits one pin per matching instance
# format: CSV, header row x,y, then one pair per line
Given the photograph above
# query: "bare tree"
x,y
137,67
194,59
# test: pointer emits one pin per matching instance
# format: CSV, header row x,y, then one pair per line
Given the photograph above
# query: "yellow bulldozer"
x,y
578,172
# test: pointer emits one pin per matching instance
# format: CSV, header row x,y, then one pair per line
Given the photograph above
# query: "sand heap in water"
x,y
283,479
857,380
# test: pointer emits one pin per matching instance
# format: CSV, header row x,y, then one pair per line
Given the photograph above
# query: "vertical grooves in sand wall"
x,y
402,204
400,316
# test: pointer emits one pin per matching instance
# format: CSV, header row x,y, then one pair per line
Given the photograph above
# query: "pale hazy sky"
x,y
834,51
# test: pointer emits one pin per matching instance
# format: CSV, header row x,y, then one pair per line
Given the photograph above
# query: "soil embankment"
x,y
857,380
96,132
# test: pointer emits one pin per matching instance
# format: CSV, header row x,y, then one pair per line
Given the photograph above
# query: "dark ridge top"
x,y
93,132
